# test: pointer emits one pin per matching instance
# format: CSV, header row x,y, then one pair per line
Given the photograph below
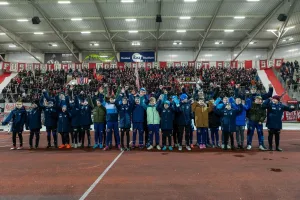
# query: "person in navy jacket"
x,y
75,122
166,110
228,121
34,123
18,117
138,113
86,120
241,122
275,111
64,127
50,113
124,110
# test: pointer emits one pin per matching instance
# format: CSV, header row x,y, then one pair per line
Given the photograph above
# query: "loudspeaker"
x,y
36,20
282,17
158,18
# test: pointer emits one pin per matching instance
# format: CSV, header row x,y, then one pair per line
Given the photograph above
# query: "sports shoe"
x,y
164,148
213,146
201,146
68,146
228,146
150,147
218,145
19,148
176,145
225,147
48,146
72,145
95,146
204,146
31,147
158,147
106,148
13,148
222,146
141,147
233,148
79,144
270,149
127,149
100,146
188,148
261,147
170,148
75,146
192,146
180,148
249,147
119,146
208,145
62,146
278,149
122,149
133,146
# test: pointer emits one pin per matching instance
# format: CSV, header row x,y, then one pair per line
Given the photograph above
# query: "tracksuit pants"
x,y
153,130
275,132
201,135
65,139
166,135
240,135
76,134
138,127
259,129
36,133
175,133
99,129
214,135
226,138
14,138
191,134
112,127
85,131
51,129
123,132
181,129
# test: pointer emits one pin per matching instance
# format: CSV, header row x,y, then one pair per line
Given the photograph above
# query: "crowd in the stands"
x,y
290,74
28,85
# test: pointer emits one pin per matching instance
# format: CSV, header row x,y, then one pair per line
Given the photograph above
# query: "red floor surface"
x,y
208,174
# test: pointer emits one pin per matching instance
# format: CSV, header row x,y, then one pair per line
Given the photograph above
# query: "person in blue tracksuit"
x,y
138,113
175,123
241,123
214,122
86,121
166,110
50,113
34,123
228,122
18,116
75,121
184,120
64,126
274,119
124,109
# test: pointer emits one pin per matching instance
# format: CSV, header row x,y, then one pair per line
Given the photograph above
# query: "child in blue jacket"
x,y
76,122
86,121
228,122
274,119
18,117
138,113
34,123
241,122
63,127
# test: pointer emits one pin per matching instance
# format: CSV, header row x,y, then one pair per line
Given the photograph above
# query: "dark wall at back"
x,y
60,58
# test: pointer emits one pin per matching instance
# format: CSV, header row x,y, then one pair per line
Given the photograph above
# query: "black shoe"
x,y
278,149
49,146
225,147
233,148
36,147
127,149
82,146
208,146
30,147
270,149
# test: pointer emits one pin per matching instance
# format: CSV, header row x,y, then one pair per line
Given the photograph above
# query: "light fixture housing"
x,y
12,46
136,43
64,2
130,20
133,31
181,31
228,30
239,17
76,19
38,33
22,20
185,17
4,3
2,34
85,32
218,43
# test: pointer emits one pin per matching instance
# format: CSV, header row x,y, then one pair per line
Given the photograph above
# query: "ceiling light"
x,y
64,2
271,30
253,0
103,56
136,43
12,46
284,40
239,17
38,33
218,42
54,45
185,17
180,43
208,55
127,1
252,42
2,33
173,55
4,3
76,19
288,28
174,43
228,30
292,50
22,20
181,31
190,0
85,32
133,31
94,44
130,20
291,39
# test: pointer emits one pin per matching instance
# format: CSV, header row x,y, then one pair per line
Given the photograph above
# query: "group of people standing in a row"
x,y
146,115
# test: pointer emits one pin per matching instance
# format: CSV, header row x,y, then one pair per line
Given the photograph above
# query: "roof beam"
x,y
157,30
208,29
246,41
106,28
25,46
57,32
282,30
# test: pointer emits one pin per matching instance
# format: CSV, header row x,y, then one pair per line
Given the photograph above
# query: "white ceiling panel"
x,y
85,25
194,23
227,23
139,24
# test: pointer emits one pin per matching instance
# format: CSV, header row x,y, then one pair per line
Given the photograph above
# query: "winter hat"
x,y
174,97
276,97
167,102
143,89
258,97
183,97
64,106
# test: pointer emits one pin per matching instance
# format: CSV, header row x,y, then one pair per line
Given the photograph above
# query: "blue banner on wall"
x,y
137,57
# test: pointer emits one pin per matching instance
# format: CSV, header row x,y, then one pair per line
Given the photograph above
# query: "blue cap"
x,y
167,102
174,97
183,97
64,105
143,89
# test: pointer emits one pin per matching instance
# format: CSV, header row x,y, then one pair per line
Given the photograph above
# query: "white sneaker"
x,y
13,148
188,148
79,145
72,145
150,147
228,146
75,146
176,145
261,148
180,148
19,148
223,146
158,147
249,147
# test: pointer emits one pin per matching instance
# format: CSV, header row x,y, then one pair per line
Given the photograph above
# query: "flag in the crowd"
x,y
137,78
82,80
